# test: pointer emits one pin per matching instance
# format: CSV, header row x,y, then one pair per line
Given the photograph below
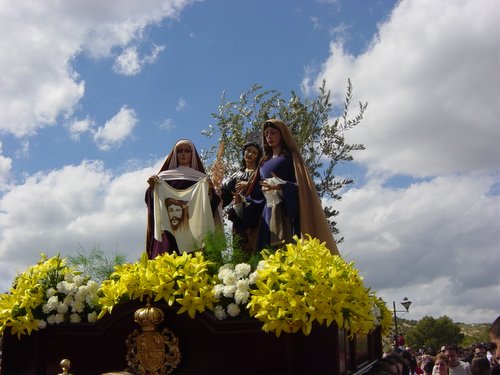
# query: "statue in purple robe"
x,y
181,171
282,200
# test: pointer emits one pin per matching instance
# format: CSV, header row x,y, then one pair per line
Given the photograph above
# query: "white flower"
x,y
61,286
229,290
51,319
261,265
42,324
66,287
219,312
224,270
242,270
79,280
59,318
218,289
75,318
227,266
68,300
92,299
81,295
235,285
241,296
45,308
92,317
252,279
52,303
78,306
92,286
242,284
50,292
62,308
233,309
229,278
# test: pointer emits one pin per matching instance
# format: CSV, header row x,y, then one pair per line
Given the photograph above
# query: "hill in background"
x,y
474,333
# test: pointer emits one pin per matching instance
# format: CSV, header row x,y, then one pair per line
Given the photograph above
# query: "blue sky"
x,y
93,96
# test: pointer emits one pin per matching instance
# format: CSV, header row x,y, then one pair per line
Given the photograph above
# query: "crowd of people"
x,y
481,359
272,198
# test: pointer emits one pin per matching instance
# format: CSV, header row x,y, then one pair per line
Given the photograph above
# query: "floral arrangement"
x,y
289,291
48,293
181,279
233,290
303,283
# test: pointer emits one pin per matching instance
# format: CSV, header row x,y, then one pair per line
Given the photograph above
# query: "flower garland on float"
x,y
291,290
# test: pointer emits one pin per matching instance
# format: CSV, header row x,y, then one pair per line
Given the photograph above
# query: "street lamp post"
x,y
406,304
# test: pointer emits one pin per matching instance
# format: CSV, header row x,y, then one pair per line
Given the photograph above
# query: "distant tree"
x,y
434,333
321,140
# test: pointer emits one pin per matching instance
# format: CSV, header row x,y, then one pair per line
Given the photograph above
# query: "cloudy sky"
x,y
94,94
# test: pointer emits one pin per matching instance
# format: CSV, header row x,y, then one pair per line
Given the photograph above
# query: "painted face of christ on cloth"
x,y
178,213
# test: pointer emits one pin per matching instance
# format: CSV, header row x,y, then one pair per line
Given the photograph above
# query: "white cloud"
x,y
432,240
76,206
38,81
24,150
78,127
5,168
129,62
181,104
151,59
431,87
340,31
316,23
168,125
116,130
430,77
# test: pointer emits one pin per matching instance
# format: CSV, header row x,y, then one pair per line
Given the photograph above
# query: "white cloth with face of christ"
x,y
197,220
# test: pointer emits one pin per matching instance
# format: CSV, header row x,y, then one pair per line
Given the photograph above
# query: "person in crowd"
x,y
456,366
432,352
238,184
479,351
411,362
399,362
442,364
282,200
494,334
490,353
383,367
480,366
181,178
398,343
428,366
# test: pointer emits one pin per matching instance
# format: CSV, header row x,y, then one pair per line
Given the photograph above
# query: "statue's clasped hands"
x,y
241,186
273,183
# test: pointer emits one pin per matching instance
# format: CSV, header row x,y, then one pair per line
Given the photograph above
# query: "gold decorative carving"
x,y
65,365
151,352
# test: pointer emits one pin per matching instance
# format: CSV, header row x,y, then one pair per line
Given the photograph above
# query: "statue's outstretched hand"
x,y
152,179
